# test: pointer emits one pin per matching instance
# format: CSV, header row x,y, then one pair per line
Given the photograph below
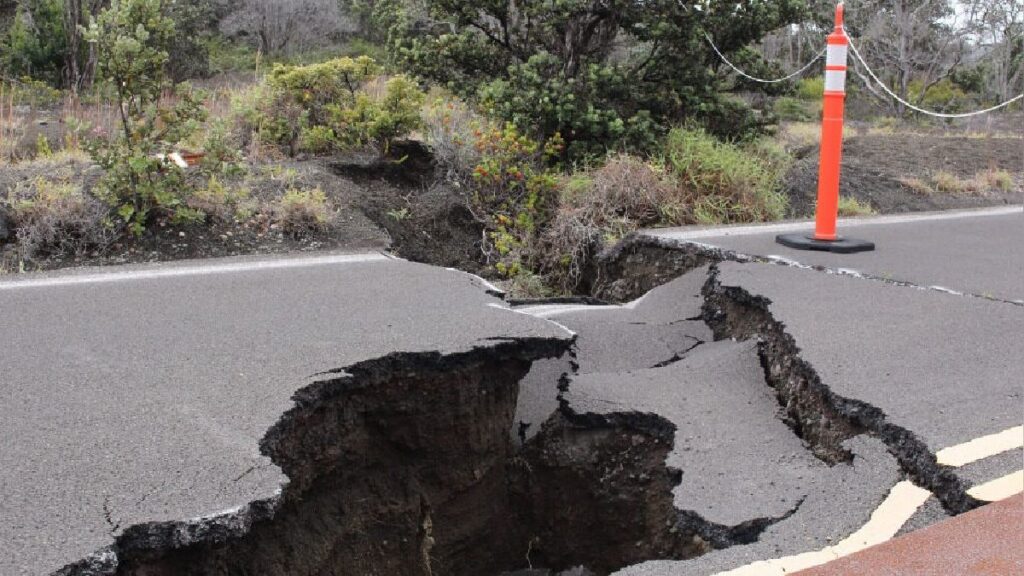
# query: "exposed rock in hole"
x,y
822,418
597,493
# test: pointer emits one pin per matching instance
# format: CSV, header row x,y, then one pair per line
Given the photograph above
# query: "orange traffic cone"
x,y
824,237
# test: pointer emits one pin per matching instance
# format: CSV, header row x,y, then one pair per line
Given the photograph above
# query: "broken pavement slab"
x,y
845,499
656,329
142,396
740,464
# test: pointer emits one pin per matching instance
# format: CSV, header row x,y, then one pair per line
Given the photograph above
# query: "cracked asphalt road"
x,y
141,395
977,252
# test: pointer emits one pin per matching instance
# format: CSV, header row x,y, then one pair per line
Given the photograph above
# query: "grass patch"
x,y
787,108
850,206
995,179
722,182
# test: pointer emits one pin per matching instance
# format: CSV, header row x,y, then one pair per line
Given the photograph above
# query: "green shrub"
x,y
513,194
221,150
220,201
721,182
43,149
35,43
333,105
943,96
811,89
317,139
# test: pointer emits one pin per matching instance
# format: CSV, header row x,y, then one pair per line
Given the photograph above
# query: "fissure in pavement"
x,y
819,416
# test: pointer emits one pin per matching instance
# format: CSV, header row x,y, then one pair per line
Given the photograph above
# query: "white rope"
x,y
761,80
867,68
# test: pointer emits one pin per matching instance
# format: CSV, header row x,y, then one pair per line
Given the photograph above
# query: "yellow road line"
x,y
903,500
900,505
1000,488
981,448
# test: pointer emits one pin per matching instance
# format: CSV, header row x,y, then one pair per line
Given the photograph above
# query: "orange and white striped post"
x,y
825,237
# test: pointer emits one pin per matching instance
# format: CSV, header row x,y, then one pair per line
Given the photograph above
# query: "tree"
x,y
911,44
34,43
999,29
131,38
602,73
282,25
80,56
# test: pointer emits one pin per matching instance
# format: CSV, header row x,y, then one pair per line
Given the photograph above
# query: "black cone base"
x,y
839,245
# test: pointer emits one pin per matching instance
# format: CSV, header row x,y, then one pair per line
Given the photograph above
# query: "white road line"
x,y
1000,488
691,234
982,447
899,506
172,271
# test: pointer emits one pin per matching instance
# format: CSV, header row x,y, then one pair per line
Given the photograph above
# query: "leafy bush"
x,y
221,154
944,96
301,212
332,106
56,218
504,175
513,194
721,182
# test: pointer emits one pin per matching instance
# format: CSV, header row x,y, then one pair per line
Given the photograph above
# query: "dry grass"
x,y
602,206
918,185
945,181
797,135
12,126
301,212
995,179
57,218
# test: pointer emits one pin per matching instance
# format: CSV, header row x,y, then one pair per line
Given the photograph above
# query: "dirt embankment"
x,y
896,173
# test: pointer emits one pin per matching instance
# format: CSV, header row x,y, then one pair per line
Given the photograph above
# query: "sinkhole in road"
x,y
405,465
